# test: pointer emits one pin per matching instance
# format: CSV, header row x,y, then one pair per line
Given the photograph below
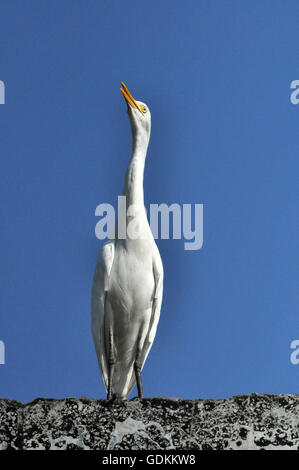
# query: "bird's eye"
x,y
144,110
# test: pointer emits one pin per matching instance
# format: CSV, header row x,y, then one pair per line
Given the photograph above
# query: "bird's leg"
x,y
111,362
137,368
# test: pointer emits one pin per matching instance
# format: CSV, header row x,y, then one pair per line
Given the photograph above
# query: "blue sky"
x,y
216,76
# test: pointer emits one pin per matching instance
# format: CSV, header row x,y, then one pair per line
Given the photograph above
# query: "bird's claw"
x,y
116,401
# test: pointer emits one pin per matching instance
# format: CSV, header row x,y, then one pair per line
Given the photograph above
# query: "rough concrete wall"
x,y
242,422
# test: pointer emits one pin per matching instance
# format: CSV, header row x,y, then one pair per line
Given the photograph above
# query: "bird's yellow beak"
x,y
129,98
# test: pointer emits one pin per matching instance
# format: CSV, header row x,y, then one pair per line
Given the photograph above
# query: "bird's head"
x,y
139,114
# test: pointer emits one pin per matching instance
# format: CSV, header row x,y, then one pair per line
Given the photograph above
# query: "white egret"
x,y
128,281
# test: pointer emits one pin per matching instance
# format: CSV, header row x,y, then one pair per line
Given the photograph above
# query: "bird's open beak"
x,y
129,98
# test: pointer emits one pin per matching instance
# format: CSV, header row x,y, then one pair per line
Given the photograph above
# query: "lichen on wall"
x,y
253,421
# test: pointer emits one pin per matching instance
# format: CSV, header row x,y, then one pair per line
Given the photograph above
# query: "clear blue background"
x,y
216,76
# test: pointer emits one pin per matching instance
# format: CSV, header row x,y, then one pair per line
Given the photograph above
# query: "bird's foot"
x,y
136,398
115,400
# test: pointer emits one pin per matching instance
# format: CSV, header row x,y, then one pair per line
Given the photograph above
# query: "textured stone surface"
x,y
242,422
10,424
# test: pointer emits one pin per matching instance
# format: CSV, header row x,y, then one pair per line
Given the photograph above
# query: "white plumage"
x,y
128,281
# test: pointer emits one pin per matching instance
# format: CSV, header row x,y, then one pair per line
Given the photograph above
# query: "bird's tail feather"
x,y
123,380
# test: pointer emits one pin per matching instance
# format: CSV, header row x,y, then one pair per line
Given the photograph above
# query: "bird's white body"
x,y
128,281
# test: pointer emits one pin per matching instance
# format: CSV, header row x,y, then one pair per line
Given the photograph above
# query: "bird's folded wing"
x,y
99,292
156,304
156,307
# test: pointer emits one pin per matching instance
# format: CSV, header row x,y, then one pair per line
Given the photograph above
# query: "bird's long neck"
x,y
133,187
